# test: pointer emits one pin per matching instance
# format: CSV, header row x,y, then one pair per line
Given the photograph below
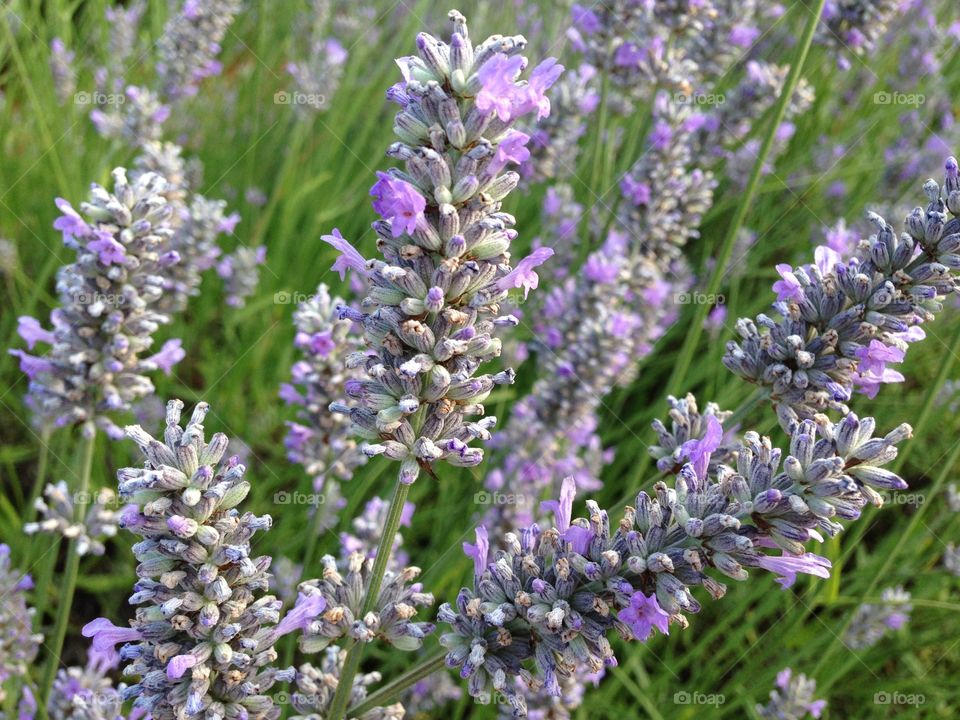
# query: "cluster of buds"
x,y
18,643
343,586
567,586
58,512
190,43
434,300
792,699
107,315
841,321
202,640
872,622
319,440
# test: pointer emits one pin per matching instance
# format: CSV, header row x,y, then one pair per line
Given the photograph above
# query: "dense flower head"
x,y
839,324
202,640
103,329
342,589
792,698
18,643
88,693
240,271
319,440
565,587
874,621
195,242
685,436
316,686
190,43
138,120
665,193
434,301
850,28
57,509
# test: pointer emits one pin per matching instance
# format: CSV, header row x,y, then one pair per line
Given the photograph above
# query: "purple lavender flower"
x,y
240,271
107,315
434,303
399,203
569,587
190,43
872,622
839,328
18,643
642,615
792,699
319,440
192,650
58,516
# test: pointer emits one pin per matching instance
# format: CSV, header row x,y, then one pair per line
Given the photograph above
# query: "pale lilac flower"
x,y
523,275
32,332
643,615
478,551
787,566
398,202
349,258
788,287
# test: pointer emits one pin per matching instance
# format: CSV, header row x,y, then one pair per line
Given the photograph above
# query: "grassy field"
x,y
315,171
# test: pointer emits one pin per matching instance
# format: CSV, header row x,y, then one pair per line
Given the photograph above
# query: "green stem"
x,y
30,511
384,550
679,375
388,692
72,570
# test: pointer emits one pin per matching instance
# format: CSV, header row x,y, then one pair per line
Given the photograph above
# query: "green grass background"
x,y
316,172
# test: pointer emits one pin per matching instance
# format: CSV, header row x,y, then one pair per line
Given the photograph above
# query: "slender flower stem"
x,y
30,512
392,689
685,357
384,550
72,570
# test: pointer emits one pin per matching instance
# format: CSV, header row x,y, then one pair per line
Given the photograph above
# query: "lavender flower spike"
x,y
792,699
840,322
108,314
872,622
319,440
18,644
567,587
190,44
203,637
434,300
